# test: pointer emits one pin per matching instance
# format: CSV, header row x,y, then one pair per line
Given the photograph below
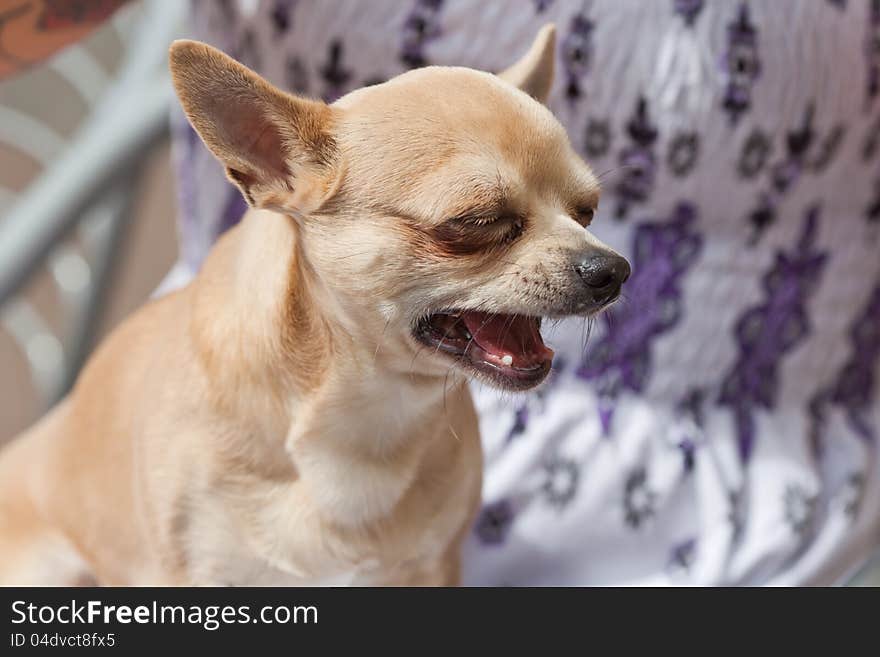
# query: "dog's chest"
x,y
281,535
293,549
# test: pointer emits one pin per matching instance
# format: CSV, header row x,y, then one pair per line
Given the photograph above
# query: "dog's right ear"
x,y
276,147
533,73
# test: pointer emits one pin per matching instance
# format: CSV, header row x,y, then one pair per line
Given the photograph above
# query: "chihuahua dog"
x,y
299,413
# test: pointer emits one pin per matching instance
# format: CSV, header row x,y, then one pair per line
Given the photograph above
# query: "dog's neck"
x,y
265,329
299,398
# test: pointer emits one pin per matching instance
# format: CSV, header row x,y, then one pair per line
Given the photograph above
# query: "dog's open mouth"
x,y
507,348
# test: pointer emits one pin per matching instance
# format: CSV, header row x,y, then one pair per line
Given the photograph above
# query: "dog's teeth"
x,y
507,360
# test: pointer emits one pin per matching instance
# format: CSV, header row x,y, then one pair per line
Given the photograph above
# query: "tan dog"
x,y
297,414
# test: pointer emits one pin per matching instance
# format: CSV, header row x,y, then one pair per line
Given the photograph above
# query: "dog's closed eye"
x,y
470,235
584,215
502,228
515,225
506,227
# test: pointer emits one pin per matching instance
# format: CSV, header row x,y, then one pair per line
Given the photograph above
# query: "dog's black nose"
x,y
603,275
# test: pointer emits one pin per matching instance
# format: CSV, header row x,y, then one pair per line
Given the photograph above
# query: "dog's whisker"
x,y
353,255
589,323
381,341
445,335
492,316
507,326
584,333
413,361
617,169
449,371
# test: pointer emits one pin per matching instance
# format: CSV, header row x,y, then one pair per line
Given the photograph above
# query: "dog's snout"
x,y
604,275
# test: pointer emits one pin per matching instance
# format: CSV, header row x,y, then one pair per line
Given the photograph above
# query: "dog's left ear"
x,y
276,147
533,73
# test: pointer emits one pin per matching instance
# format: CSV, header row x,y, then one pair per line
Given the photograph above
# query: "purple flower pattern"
x,y
689,10
494,522
855,384
638,161
741,64
785,174
872,54
422,26
577,54
767,332
662,254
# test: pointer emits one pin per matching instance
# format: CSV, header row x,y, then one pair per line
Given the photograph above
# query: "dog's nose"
x,y
603,275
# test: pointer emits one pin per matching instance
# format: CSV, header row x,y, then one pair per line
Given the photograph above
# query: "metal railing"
x,y
86,190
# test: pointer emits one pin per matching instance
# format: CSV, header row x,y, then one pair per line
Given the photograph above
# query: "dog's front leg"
x,y
445,571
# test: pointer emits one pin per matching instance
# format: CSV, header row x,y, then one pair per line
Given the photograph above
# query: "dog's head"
x,y
444,211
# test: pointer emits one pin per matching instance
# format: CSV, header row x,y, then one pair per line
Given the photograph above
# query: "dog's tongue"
x,y
508,340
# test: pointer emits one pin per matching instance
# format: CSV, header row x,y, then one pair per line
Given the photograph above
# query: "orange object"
x,y
32,30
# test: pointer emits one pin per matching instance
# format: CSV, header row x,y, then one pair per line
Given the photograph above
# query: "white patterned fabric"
x,y
720,426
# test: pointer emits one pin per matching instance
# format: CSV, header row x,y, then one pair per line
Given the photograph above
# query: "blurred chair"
x,y
73,217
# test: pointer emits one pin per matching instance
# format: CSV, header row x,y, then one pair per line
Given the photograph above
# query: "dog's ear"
x,y
533,73
276,147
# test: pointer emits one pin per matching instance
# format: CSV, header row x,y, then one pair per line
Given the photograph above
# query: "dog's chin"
x,y
506,351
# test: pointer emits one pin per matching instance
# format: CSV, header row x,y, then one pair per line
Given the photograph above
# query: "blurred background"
x,y
87,205
87,196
